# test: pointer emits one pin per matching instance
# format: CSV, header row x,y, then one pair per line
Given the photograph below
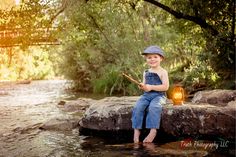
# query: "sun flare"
x,y
17,2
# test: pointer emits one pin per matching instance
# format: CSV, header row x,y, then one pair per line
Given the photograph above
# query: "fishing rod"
x,y
131,79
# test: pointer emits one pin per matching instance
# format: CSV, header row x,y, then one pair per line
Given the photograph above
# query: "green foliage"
x,y
102,46
109,82
32,63
112,82
217,22
102,39
200,74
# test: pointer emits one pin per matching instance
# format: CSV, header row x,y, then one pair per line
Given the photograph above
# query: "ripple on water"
x,y
37,92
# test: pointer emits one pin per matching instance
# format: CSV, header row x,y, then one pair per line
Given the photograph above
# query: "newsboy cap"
x,y
153,50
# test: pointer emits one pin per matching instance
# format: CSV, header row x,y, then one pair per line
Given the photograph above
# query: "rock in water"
x,y
60,124
77,105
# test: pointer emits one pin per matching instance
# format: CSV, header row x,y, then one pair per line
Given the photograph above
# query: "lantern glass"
x,y
178,95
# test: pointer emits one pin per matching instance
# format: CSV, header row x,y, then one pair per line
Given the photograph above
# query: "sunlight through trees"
x,y
101,39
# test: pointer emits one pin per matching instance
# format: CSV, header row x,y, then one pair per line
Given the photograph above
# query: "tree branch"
x,y
195,10
233,23
201,22
63,7
101,31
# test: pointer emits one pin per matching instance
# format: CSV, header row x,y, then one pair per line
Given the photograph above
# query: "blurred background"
x,y
93,41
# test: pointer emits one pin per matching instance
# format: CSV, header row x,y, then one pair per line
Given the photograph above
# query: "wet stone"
x,y
60,124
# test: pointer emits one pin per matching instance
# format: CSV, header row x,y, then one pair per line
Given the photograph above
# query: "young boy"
x,y
155,83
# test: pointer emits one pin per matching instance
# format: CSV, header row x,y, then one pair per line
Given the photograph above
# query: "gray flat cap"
x,y
153,50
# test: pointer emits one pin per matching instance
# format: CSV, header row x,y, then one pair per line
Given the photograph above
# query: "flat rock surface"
x,y
216,97
114,114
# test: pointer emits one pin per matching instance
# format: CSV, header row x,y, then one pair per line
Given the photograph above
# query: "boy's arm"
x,y
144,77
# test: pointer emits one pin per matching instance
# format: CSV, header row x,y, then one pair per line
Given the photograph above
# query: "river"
x,y
24,107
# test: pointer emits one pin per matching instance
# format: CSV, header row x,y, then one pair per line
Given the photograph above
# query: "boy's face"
x,y
153,60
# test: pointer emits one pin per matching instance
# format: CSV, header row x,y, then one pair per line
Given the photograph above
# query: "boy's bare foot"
x,y
149,146
151,136
136,135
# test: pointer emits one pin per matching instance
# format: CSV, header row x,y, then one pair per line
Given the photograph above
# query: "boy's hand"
x,y
145,87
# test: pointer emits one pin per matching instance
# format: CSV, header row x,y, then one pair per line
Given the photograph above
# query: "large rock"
x,y
202,119
114,114
60,124
216,97
111,113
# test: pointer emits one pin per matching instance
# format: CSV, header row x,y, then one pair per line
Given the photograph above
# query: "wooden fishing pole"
x,y
131,79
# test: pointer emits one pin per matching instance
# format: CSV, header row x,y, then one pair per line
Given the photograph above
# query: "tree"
x,y
31,20
217,20
103,38
26,19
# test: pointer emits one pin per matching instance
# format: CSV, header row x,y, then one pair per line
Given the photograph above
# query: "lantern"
x,y
178,95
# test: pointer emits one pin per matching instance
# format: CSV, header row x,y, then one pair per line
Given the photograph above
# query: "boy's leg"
x,y
136,135
137,117
154,117
138,112
151,136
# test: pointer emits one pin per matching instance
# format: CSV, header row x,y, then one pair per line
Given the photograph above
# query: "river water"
x,y
24,107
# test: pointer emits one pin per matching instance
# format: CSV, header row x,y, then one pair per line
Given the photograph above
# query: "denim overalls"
x,y
150,102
